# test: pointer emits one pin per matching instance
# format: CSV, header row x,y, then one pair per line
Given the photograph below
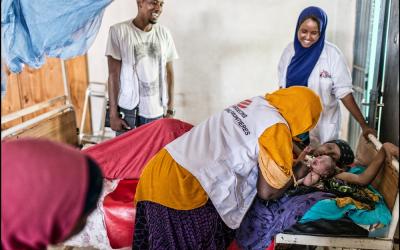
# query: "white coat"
x,y
331,80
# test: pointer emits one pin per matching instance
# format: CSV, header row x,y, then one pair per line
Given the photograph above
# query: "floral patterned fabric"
x,y
360,194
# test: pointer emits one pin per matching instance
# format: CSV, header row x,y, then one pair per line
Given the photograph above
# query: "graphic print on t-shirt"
x,y
148,68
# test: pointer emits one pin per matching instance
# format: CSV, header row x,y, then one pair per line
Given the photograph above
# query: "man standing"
x,y
141,78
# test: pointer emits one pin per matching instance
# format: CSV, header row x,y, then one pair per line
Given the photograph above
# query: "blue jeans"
x,y
133,119
142,120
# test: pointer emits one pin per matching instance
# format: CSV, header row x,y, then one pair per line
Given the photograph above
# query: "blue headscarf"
x,y
304,59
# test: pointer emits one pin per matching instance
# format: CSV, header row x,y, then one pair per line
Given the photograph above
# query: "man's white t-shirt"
x,y
144,56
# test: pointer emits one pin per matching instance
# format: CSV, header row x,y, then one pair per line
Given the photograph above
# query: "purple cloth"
x,y
160,227
304,59
264,220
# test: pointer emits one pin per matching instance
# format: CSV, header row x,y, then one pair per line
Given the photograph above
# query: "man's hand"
x,y
118,124
170,112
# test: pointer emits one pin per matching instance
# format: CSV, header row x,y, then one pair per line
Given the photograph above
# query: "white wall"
x,y
229,49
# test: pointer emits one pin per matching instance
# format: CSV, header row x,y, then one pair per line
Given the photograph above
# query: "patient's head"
x,y
339,150
323,165
320,167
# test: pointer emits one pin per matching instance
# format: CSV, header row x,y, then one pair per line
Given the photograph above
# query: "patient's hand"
x,y
303,153
390,150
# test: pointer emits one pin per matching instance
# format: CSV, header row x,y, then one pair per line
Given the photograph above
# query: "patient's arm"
x,y
310,179
373,168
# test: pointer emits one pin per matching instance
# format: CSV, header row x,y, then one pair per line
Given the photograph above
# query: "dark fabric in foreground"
x,y
159,227
94,188
264,220
342,227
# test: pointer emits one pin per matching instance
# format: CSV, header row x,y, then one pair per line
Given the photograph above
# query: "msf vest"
x,y
222,153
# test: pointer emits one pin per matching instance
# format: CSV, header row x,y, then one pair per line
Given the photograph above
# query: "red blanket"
x,y
124,157
119,214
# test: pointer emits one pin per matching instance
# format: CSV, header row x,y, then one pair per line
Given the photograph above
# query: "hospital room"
x,y
172,124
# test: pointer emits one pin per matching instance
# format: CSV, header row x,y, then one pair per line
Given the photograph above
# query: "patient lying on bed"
x,y
124,157
264,220
320,167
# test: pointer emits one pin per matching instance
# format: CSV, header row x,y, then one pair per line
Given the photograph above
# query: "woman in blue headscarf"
x,y
313,62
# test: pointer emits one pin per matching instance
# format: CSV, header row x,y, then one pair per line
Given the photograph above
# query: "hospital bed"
x,y
386,183
111,226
